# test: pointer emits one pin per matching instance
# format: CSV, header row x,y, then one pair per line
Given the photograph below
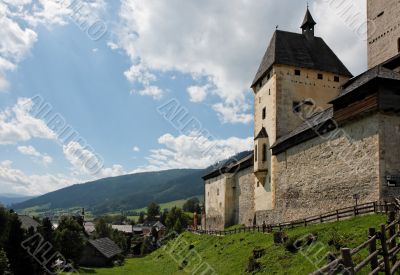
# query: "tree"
x,y
21,262
163,216
46,230
4,263
103,230
69,236
141,218
192,205
153,210
177,220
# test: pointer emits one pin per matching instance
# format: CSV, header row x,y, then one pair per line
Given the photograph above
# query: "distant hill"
x,y
8,199
125,192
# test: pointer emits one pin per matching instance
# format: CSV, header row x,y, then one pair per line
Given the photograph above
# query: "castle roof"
x,y
308,20
317,124
232,167
377,72
262,134
294,49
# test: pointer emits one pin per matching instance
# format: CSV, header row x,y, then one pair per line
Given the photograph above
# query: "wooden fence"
x,y
336,215
383,250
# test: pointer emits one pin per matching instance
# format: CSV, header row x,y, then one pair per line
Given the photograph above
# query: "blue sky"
x,y
197,56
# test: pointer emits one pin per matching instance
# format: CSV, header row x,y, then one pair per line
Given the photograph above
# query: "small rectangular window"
x,y
336,79
296,107
255,153
264,113
398,45
217,192
264,153
320,76
297,72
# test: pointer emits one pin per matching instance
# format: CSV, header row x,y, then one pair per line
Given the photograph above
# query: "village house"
x,y
321,136
100,253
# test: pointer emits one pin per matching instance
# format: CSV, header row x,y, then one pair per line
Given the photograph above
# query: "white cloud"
x,y
20,18
17,181
198,93
220,42
86,163
152,91
187,151
136,149
31,151
16,124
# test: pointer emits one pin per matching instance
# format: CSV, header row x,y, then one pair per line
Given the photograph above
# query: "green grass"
x,y
230,254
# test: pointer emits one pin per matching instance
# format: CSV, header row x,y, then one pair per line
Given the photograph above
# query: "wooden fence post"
x,y
337,215
355,211
347,260
392,232
374,207
385,253
320,219
305,222
372,248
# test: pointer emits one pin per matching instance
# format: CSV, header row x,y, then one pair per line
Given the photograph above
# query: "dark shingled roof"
x,y
232,167
308,20
294,49
364,78
262,134
106,247
310,126
28,222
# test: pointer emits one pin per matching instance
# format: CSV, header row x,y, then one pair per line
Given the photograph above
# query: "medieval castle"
x,y
321,136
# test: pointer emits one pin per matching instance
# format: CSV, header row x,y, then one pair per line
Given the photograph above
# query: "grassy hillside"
x,y
230,254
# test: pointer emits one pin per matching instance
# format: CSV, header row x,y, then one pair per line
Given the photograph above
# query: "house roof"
x,y
106,247
308,129
374,73
232,167
28,222
123,228
294,49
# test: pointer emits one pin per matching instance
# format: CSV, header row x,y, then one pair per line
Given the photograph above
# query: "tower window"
x,y
255,153
336,79
320,76
297,72
264,113
217,192
264,153
296,107
398,45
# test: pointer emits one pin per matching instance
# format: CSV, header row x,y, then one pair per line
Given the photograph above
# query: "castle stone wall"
x,y
215,202
383,30
244,192
389,154
324,173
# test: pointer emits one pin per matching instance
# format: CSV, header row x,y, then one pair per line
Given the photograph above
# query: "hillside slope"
x,y
230,254
123,192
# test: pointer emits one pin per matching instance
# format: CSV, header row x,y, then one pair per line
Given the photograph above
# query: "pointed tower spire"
x,y
308,25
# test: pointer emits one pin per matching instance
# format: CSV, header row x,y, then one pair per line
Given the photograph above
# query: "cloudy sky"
x,y
96,88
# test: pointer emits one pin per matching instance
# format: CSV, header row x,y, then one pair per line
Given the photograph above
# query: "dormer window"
x,y
336,79
320,76
297,72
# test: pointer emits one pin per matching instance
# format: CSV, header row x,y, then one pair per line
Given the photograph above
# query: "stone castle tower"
x,y
299,74
383,30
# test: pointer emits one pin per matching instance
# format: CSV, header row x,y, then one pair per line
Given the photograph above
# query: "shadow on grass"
x,y
86,270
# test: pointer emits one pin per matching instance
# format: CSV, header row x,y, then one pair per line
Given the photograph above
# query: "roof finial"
x,y
307,5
